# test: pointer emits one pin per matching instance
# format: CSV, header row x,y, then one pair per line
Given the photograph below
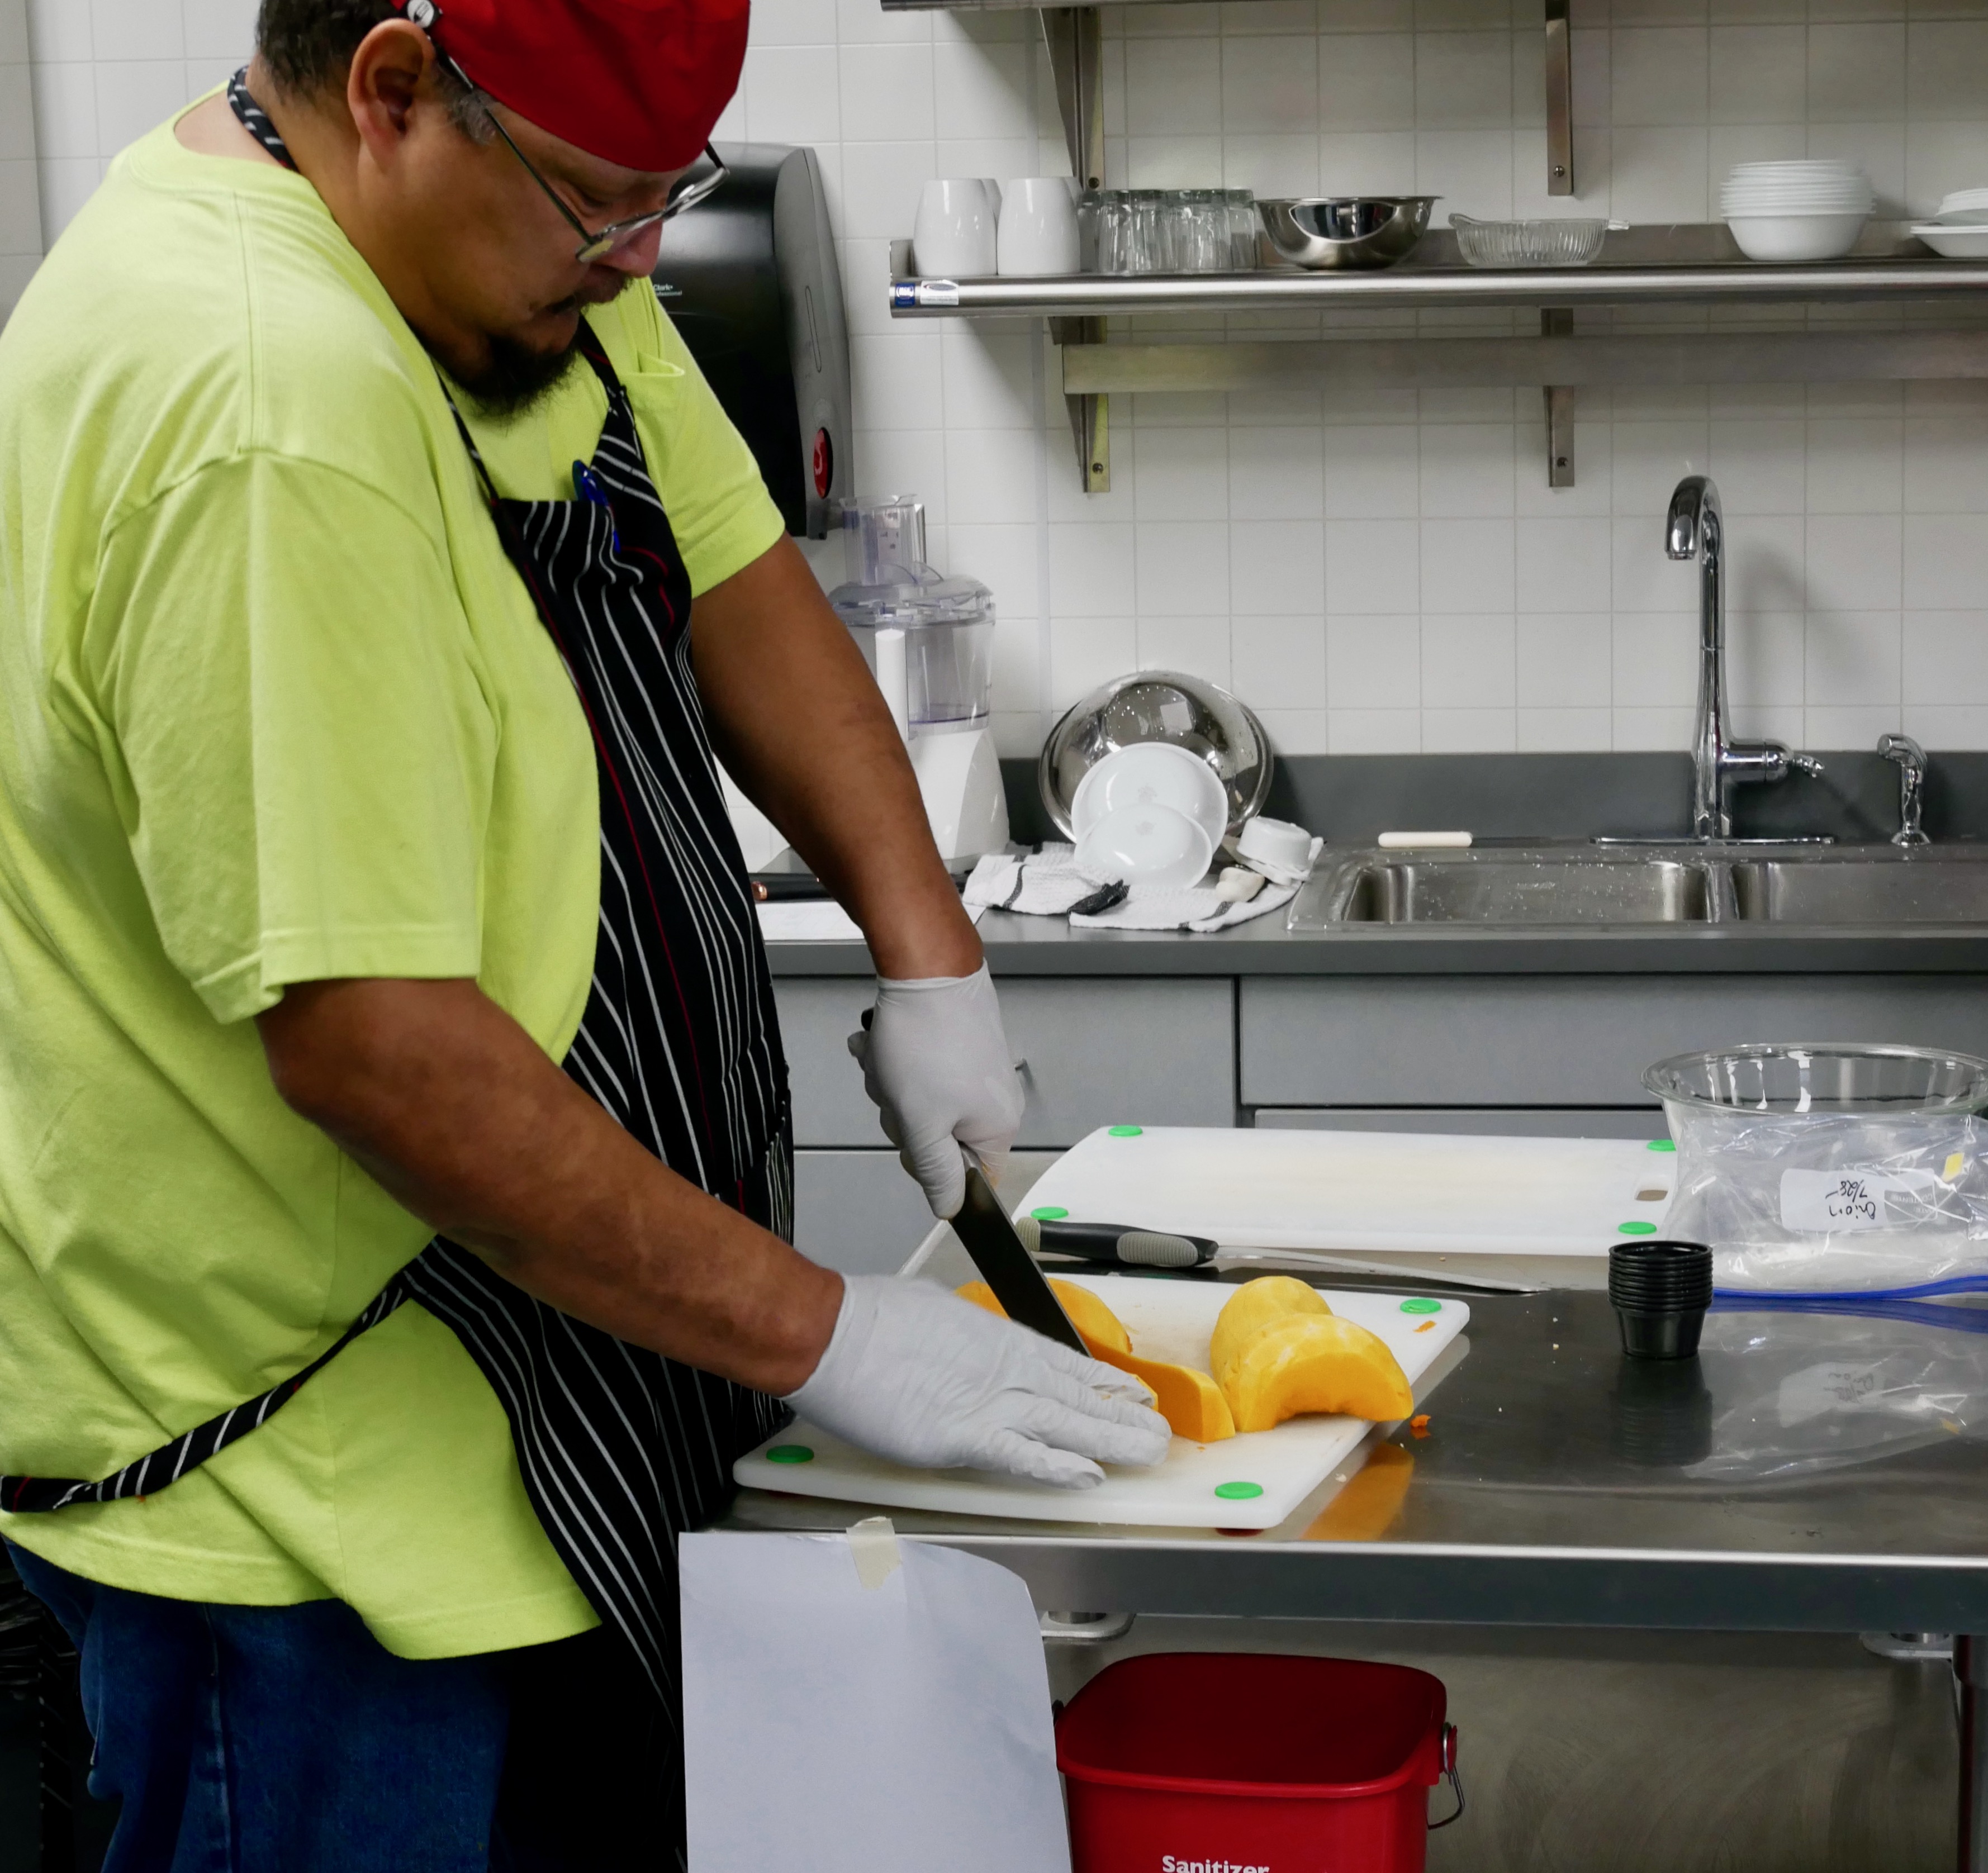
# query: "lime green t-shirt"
x,y
275,708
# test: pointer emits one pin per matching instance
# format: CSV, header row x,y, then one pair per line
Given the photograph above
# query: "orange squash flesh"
x,y
1251,1308
1312,1363
1191,1401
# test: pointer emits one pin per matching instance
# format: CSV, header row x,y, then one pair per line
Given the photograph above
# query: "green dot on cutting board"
x,y
1049,1212
790,1453
1126,1131
1238,1492
1660,1144
1635,1228
1422,1305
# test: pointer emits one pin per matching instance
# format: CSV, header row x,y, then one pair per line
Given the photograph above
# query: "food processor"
x,y
929,641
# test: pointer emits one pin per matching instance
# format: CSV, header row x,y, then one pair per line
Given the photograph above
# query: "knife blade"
x,y
1007,1267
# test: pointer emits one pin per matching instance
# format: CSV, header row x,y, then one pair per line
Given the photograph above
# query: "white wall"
x,y
1390,573
20,213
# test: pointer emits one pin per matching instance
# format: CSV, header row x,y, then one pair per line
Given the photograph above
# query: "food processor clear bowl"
x,y
1793,1080
948,622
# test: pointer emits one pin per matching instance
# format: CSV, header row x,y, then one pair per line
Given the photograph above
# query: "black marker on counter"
x,y
1113,1243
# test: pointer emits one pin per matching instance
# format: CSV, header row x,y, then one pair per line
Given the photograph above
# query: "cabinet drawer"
x,y
1561,1040
1092,1053
1472,1121
860,1212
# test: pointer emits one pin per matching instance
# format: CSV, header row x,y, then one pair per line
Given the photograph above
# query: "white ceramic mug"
x,y
1039,227
953,237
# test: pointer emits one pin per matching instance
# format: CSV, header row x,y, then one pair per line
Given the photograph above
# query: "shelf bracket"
x,y
1090,419
1557,321
1559,100
1075,38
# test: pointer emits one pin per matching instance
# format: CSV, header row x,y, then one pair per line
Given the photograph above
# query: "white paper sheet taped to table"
x,y
817,919
1348,1191
842,1718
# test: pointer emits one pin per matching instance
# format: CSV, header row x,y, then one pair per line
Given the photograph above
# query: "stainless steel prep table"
x,y
1521,1510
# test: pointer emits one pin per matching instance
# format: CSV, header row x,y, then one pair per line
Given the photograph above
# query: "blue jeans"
x,y
287,1740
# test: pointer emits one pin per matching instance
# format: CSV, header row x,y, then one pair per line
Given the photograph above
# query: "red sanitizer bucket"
x,y
1231,1763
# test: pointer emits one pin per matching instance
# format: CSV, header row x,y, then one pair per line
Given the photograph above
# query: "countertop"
x,y
1020,945
1559,1484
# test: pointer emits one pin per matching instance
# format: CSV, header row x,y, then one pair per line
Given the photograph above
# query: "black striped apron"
x,y
619,1448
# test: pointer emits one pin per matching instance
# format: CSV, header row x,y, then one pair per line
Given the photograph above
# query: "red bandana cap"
x,y
639,82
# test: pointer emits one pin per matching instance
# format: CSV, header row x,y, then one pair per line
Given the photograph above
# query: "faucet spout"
x,y
1696,529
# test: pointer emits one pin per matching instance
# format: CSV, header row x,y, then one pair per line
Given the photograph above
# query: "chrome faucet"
x,y
1912,761
1696,530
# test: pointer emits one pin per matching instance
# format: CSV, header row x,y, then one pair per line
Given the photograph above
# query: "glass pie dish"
x,y
1552,243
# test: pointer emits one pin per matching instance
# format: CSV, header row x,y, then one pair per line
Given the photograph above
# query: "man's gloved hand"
x,y
923,1378
937,1066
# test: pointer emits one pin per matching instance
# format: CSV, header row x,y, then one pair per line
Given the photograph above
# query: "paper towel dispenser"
x,y
749,276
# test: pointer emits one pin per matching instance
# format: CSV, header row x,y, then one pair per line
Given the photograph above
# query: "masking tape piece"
x,y
873,1543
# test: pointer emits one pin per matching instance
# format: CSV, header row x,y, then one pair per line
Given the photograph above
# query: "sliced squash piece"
x,y
1311,1362
1099,1326
1191,1401
1252,1307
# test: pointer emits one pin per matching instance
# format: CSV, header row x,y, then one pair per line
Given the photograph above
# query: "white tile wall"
x,y
20,207
1389,572
106,71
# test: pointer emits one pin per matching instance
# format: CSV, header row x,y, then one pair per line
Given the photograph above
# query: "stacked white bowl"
x,y
1959,229
1810,210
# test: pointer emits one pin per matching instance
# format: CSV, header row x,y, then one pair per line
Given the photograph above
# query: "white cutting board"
x,y
1167,1320
1365,1190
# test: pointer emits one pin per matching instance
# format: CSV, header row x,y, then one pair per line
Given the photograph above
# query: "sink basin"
x,y
1510,886
1586,887
1881,886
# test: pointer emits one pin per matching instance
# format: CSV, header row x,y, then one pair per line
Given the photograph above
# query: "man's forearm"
x,y
462,1117
801,725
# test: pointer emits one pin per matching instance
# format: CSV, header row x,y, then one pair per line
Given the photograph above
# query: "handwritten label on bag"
x,y
1816,1203
1816,1389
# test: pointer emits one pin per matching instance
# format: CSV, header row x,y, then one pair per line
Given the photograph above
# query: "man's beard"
x,y
516,378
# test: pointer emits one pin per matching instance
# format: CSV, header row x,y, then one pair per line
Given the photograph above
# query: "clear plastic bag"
x,y
1842,1203
1835,1169
1807,1388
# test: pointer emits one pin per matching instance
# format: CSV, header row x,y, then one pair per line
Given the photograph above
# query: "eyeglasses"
x,y
686,192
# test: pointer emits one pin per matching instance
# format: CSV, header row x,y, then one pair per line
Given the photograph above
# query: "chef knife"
x,y
1117,1245
1006,1266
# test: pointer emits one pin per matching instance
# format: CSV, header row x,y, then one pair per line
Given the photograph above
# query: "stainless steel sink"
x,y
1881,886
1584,887
1507,885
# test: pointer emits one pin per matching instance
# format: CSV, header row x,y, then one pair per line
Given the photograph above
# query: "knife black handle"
x,y
1116,1243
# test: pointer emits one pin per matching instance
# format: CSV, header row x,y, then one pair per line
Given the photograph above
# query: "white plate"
x,y
1152,774
1967,205
1955,243
1147,845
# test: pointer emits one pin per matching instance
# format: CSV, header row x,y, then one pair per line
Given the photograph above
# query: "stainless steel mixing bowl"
x,y
1158,705
1351,232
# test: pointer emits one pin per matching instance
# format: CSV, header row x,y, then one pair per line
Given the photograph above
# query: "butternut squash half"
x,y
1314,1362
1191,1401
1252,1307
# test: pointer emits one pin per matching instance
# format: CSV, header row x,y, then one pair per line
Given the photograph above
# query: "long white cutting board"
x,y
1167,1320
1366,1190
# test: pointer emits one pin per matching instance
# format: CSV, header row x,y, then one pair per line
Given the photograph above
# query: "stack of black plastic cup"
x,y
1661,1291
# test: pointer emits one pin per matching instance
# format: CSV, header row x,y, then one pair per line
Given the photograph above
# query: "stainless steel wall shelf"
x,y
1687,264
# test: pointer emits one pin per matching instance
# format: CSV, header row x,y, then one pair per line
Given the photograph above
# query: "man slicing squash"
x,y
394,1167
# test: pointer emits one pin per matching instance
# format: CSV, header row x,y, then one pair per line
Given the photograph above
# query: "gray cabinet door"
x,y
1089,1053
1561,1040
1472,1121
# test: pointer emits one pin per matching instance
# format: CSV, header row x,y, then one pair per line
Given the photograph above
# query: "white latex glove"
x,y
936,1064
923,1378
